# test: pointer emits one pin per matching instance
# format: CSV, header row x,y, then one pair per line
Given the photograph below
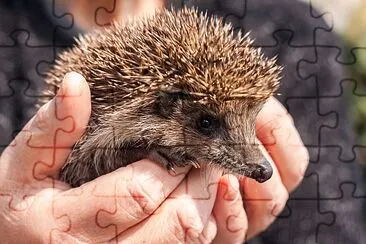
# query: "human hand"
x,y
129,204
249,207
243,207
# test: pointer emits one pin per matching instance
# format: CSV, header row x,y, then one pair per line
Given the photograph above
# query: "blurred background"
x,y
320,208
348,19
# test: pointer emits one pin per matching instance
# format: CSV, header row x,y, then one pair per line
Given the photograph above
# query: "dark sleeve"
x,y
328,206
30,37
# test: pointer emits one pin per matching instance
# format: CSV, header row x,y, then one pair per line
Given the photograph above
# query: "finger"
x,y
232,222
101,209
263,201
209,232
183,216
275,129
42,147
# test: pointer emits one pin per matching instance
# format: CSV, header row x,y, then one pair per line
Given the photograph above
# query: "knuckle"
x,y
299,175
268,212
285,122
288,118
295,177
272,209
42,118
40,126
281,111
144,202
209,236
206,239
279,202
237,224
282,122
187,228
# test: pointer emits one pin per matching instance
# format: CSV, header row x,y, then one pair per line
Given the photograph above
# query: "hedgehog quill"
x,y
179,88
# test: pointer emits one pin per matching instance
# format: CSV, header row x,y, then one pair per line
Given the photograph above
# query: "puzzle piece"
x,y
32,38
331,98
279,24
345,149
314,91
35,154
308,223
311,138
16,88
28,21
348,199
102,14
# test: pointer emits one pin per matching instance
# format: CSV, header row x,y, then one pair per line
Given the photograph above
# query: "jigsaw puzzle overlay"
x,y
327,207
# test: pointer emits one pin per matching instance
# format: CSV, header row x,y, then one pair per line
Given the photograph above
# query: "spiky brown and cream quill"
x,y
155,82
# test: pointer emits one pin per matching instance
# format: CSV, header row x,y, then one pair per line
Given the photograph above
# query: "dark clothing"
x,y
324,208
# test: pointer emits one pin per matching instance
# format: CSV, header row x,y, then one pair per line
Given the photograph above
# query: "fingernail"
x,y
234,183
71,85
179,170
232,189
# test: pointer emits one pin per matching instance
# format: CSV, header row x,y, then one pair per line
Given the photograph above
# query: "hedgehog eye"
x,y
207,124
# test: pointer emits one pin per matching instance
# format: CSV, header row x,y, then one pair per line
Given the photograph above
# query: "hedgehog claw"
x,y
171,168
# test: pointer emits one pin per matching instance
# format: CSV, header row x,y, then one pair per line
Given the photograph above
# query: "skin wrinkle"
x,y
148,204
183,221
236,129
207,236
73,201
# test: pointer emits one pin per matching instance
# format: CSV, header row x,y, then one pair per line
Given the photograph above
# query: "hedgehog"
x,y
179,88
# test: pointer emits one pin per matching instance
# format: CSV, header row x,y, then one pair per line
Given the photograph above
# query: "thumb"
x,y
43,145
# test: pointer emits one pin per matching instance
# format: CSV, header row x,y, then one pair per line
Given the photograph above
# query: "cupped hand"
x,y
129,204
141,202
227,209
247,207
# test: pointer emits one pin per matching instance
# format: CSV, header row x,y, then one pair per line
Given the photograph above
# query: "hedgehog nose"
x,y
263,172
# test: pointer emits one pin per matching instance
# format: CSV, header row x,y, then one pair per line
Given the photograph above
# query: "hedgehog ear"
x,y
166,101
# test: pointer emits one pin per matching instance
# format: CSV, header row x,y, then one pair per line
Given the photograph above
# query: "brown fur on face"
x,y
179,88
167,129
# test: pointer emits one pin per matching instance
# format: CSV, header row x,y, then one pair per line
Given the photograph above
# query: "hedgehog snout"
x,y
262,172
